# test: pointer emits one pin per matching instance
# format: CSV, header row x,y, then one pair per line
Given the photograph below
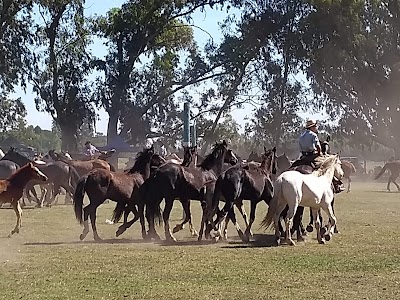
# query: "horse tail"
x,y
78,198
353,168
73,177
151,195
118,211
112,168
273,204
382,171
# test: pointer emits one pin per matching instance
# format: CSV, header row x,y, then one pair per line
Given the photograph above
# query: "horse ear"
x,y
224,143
274,149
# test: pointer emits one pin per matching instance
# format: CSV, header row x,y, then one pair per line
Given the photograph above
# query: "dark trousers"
x,y
305,160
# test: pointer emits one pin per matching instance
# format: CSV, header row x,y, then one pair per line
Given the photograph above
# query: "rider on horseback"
x,y
310,146
90,151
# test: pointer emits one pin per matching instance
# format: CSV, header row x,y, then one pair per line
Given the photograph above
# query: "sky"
x,y
207,21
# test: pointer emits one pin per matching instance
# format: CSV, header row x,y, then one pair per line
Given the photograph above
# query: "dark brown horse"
x,y
238,184
101,184
394,168
172,181
12,188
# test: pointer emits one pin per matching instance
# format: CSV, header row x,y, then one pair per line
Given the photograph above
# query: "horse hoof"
x,y
321,241
119,232
323,230
195,234
176,229
82,237
215,239
310,228
278,242
291,242
327,237
301,239
97,239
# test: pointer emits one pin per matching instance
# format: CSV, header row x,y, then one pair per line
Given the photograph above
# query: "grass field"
x,y
47,260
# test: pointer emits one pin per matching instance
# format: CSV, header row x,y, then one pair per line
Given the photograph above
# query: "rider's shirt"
x,y
308,141
91,151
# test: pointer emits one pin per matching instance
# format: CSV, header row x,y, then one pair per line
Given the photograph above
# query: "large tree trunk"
x,y
69,140
112,129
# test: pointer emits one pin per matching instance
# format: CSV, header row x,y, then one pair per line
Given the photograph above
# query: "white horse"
x,y
313,190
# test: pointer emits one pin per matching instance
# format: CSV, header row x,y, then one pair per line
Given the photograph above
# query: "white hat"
x,y
310,123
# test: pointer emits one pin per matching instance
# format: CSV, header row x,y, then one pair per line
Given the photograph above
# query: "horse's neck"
x,y
20,179
329,173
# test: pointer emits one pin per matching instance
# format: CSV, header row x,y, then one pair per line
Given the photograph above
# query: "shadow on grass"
x,y
259,241
105,241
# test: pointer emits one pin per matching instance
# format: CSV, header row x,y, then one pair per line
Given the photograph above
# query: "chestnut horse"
x,y
12,188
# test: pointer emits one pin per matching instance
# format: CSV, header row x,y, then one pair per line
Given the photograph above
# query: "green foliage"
x,y
12,111
61,79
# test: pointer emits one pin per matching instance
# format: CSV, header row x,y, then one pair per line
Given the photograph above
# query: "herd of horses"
x,y
220,177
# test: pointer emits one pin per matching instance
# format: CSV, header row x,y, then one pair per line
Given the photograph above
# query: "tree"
x,y
12,111
61,78
140,29
15,37
354,67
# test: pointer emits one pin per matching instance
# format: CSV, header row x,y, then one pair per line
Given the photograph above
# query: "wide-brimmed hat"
x,y
310,123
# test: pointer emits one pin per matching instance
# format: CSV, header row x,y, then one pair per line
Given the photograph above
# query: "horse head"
x,y
268,160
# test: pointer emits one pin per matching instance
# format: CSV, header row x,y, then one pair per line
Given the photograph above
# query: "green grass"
x,y
47,260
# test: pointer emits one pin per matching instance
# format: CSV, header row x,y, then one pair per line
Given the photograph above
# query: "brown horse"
x,y
101,184
394,168
12,188
83,167
348,169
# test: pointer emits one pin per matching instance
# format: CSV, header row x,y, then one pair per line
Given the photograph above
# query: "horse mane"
x,y
141,161
323,163
210,158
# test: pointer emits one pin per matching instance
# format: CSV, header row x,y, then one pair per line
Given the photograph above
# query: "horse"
x,y
313,190
83,167
348,169
172,181
188,155
238,184
12,188
101,184
394,168
59,175
253,156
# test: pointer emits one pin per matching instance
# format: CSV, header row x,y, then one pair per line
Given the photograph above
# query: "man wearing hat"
x,y
90,151
310,146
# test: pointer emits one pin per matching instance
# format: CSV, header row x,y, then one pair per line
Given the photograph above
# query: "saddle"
x,y
310,161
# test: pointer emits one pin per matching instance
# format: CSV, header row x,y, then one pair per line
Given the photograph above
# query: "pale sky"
x,y
208,21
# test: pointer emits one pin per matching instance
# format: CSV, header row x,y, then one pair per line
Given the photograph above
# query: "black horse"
x,y
173,181
238,183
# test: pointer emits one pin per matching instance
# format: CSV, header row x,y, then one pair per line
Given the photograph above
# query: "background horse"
x,y
394,168
11,189
348,169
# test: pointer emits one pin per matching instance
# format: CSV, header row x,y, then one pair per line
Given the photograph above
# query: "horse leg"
x,y
349,185
166,213
85,231
188,218
297,223
18,212
388,184
247,233
240,206
395,183
317,225
289,220
332,222
232,217
93,217
310,227
126,225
